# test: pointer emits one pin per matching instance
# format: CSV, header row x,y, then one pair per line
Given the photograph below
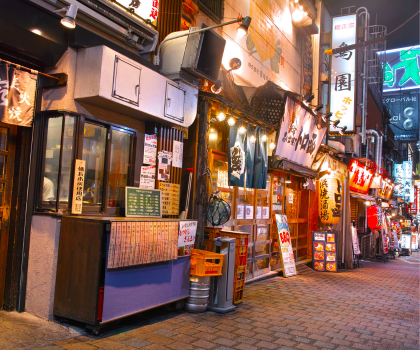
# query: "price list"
x,y
142,203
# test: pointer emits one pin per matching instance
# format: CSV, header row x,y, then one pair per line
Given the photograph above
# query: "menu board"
x,y
170,198
186,237
324,251
136,243
285,245
141,202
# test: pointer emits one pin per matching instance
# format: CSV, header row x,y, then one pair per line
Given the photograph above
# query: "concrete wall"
x,y
43,249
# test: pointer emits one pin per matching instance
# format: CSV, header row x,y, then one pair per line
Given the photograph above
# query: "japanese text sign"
x,y
360,177
330,199
285,246
401,68
186,238
78,186
146,9
17,96
343,72
300,135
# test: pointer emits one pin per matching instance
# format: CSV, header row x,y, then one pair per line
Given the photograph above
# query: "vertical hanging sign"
x,y
79,182
343,72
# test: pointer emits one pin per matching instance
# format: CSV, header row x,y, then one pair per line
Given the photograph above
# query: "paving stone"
x,y
165,332
322,344
136,342
204,344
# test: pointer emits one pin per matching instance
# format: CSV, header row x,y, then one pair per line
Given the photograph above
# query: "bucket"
x,y
199,294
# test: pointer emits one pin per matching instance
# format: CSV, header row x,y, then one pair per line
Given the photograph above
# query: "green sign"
x,y
143,203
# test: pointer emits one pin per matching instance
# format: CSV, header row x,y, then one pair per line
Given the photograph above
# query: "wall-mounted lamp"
x,y
272,145
252,139
243,28
342,130
288,181
335,124
309,99
264,137
242,130
326,117
69,19
216,88
234,64
317,109
221,116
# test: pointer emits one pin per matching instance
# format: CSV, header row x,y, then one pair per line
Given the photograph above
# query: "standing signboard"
x,y
286,250
324,251
355,240
343,72
186,237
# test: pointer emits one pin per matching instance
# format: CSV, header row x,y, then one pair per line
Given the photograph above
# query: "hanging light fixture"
x,y
69,19
288,181
272,145
326,117
231,121
243,28
242,130
264,137
309,99
252,139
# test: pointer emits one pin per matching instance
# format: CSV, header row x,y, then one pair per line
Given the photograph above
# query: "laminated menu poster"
x,y
170,198
141,202
285,244
186,237
324,251
150,148
136,243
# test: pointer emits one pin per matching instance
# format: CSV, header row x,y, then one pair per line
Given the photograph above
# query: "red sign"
x,y
414,205
360,177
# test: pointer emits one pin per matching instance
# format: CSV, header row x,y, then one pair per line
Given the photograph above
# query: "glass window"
x,y
219,180
51,161
67,159
94,146
119,168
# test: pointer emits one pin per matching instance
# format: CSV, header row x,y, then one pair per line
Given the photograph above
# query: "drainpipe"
x,y
364,103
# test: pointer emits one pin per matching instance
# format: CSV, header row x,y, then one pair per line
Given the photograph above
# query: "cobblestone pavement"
x,y
373,307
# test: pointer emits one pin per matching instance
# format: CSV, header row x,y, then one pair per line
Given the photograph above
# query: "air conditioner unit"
x,y
349,143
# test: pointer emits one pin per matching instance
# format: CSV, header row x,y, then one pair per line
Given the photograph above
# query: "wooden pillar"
x,y
200,195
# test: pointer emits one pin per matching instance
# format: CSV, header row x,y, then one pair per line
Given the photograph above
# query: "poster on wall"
x,y
170,198
148,177
355,240
285,245
324,251
343,72
186,238
78,186
177,151
164,169
150,148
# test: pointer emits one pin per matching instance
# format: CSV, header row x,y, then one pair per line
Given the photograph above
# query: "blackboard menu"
x,y
143,203
324,251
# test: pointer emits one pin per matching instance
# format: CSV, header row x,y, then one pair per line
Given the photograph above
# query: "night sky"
x,y
390,13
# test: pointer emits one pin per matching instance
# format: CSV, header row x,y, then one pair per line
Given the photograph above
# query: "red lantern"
x,y
374,217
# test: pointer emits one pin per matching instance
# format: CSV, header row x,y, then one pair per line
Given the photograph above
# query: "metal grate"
x,y
212,8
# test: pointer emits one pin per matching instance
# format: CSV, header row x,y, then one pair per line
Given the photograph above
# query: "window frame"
x,y
41,133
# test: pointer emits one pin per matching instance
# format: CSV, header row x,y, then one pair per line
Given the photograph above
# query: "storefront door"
x,y
7,159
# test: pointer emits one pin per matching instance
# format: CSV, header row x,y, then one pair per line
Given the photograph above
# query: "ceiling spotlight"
x,y
264,138
272,145
36,31
231,121
216,88
242,130
69,19
252,139
221,117
326,117
243,28
317,109
336,123
288,181
342,130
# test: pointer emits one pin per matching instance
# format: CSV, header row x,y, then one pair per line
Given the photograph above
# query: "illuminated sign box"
x,y
401,68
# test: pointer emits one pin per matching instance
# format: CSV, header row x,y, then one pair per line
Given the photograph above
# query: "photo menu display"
x,y
324,251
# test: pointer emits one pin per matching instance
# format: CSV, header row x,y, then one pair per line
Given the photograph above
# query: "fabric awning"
x,y
279,163
365,197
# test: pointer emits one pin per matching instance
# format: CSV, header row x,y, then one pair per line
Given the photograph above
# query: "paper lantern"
x,y
374,217
330,199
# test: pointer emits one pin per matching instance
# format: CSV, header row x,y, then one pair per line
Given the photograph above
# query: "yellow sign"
x,y
170,198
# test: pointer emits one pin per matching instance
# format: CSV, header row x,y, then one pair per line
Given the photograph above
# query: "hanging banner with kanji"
x,y
78,186
17,96
285,245
330,199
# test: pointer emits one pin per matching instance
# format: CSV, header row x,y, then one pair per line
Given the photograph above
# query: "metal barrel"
x,y
199,294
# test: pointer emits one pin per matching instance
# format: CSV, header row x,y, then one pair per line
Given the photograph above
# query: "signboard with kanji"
x,y
324,251
360,177
343,72
285,243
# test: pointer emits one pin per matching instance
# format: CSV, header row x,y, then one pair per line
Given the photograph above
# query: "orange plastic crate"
x,y
241,248
204,263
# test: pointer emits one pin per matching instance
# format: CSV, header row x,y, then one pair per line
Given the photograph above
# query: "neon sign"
x,y
401,68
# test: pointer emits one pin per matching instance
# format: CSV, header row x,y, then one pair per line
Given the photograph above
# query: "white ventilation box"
x,y
112,81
